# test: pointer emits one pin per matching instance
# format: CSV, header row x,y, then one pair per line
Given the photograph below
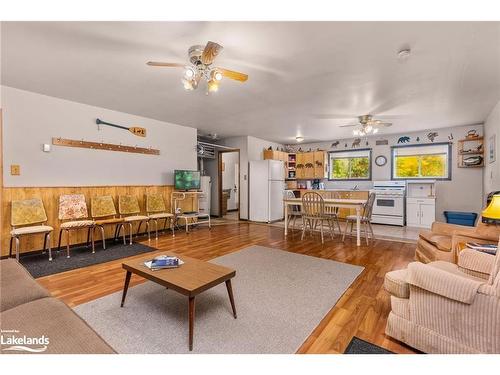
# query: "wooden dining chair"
x,y
313,213
333,212
365,219
294,212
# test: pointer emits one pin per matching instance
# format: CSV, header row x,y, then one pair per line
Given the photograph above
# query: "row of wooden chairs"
x,y
28,217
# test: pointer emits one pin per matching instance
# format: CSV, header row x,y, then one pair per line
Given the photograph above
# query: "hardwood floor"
x,y
362,311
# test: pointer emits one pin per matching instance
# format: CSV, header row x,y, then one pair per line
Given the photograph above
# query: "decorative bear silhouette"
x,y
404,139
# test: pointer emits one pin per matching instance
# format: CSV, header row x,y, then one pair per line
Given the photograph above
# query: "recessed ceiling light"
x,y
299,139
404,54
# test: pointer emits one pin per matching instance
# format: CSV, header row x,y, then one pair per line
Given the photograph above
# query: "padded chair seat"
x,y
116,220
77,224
442,242
395,283
353,218
31,230
135,218
161,215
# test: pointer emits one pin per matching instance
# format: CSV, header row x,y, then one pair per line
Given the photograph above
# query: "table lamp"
x,y
491,215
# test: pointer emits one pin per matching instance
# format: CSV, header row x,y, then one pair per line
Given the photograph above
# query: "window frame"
x,y
351,179
449,161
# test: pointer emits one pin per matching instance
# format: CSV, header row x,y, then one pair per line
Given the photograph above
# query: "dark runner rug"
x,y
38,265
358,346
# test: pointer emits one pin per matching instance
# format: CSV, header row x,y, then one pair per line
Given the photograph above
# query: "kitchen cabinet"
x,y
420,212
311,165
320,164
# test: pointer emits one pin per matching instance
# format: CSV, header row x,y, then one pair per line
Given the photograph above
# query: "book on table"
x,y
163,262
483,247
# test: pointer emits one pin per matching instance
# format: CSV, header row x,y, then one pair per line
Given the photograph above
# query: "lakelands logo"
x,y
11,340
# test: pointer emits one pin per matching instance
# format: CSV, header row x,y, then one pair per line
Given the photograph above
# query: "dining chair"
x,y
156,210
313,212
333,212
73,215
103,212
294,212
365,219
128,207
28,217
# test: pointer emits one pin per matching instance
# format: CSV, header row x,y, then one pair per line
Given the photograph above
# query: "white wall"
x,y
463,193
31,119
251,148
230,179
491,180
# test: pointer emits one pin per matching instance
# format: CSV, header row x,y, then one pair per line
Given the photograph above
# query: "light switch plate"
x,y
15,170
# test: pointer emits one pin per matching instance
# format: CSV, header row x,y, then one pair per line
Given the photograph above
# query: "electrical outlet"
x,y
15,170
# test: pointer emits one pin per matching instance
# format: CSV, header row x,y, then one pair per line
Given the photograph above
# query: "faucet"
x,y
355,187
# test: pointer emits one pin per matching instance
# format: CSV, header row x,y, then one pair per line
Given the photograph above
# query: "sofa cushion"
x,y
17,286
442,242
67,332
427,252
396,284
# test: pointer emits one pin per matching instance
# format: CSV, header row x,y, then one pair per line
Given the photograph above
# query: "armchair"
x,y
442,307
445,241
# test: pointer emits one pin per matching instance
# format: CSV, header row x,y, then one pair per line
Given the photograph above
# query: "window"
x,y
423,161
350,165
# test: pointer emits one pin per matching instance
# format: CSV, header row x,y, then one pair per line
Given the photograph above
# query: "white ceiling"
x,y
298,72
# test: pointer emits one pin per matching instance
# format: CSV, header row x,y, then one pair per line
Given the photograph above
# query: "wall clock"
x,y
381,160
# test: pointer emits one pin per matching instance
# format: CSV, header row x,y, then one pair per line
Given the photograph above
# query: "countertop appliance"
x,y
266,190
389,205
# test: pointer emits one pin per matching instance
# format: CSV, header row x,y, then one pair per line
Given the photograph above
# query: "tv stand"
x,y
193,217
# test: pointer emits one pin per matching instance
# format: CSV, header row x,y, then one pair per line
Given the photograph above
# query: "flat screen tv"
x,y
187,180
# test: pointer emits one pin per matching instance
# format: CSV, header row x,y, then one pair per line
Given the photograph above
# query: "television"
x,y
187,180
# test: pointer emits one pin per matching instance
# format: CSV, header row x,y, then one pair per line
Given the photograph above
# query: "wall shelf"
x,y
103,146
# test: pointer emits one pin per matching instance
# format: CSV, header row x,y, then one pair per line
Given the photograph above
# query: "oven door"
x,y
388,205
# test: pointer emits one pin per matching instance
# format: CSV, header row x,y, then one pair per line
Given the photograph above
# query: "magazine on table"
x,y
163,262
483,247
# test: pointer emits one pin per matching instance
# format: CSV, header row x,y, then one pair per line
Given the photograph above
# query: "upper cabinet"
x,y
302,165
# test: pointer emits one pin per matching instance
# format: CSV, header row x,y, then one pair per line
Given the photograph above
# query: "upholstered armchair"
x,y
103,211
156,210
128,207
441,307
28,217
444,241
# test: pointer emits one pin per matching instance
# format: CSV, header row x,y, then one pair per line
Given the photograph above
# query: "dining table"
x,y
357,204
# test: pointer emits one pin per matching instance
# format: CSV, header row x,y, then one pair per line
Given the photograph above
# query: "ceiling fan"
x,y
200,67
367,125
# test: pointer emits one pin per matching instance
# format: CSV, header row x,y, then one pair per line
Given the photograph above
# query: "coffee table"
x,y
190,279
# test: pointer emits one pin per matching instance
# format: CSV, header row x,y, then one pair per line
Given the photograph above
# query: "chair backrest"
x,y
368,206
289,194
27,212
155,203
335,210
72,207
102,206
128,205
313,205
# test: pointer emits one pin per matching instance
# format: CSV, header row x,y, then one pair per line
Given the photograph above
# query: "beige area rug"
x,y
280,298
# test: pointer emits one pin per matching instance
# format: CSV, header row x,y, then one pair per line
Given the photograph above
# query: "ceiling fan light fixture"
x,y
213,86
188,84
375,131
189,73
216,75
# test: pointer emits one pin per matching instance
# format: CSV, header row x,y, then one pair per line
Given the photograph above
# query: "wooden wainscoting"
x,y
50,198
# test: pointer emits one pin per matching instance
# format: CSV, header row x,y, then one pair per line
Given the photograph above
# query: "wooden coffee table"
x,y
190,279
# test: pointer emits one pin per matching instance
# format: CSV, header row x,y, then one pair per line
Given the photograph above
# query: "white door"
x,y
427,214
276,191
412,214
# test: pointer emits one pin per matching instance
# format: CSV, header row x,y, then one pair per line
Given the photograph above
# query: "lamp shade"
x,y
492,213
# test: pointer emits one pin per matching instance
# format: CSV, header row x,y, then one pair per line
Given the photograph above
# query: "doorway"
x,y
229,184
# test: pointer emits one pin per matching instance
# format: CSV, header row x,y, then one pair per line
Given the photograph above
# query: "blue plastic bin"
x,y
461,218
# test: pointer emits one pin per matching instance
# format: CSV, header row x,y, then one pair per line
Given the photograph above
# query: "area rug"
x,y
358,346
280,298
38,265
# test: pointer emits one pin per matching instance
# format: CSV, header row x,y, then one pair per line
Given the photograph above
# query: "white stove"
x,y
389,206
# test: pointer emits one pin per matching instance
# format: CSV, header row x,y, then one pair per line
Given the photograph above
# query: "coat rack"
x,y
103,146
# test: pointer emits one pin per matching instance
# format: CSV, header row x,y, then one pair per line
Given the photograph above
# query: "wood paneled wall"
x,y
50,198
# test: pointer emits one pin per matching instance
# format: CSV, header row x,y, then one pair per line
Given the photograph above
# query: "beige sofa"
x,y
441,307
27,309
442,241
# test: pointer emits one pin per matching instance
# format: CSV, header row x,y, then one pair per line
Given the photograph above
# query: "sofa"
x,y
32,321
444,241
441,307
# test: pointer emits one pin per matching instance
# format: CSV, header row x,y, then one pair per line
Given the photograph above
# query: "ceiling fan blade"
x,y
170,65
231,74
210,52
348,126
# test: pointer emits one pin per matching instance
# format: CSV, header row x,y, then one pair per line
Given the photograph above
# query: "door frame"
x,y
219,179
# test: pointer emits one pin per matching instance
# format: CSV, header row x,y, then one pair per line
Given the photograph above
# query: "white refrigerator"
x,y
204,201
266,189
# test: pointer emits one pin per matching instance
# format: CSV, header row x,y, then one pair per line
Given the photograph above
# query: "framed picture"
x,y
492,148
